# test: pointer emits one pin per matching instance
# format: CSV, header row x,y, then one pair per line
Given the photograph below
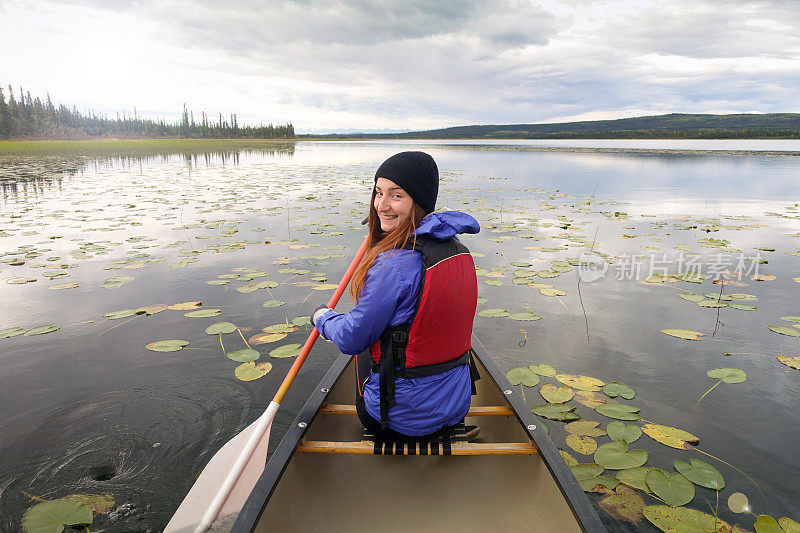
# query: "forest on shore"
x,y
25,117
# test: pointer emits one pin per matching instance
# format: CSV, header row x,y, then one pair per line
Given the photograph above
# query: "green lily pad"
x,y
527,316
619,411
221,327
554,394
635,477
615,388
621,431
12,332
167,346
494,313
247,289
273,303
701,473
588,476
302,321
482,300
280,328
791,362
683,520
712,303
788,525
785,330
556,411
688,334
692,297
673,488
203,313
114,315
791,318
522,375
493,282
616,456
250,371
670,436
41,330
53,516
116,281
728,375
20,281
287,350
267,284
218,282
244,355
743,307
543,370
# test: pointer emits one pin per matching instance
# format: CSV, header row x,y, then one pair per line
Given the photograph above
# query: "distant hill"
x,y
671,126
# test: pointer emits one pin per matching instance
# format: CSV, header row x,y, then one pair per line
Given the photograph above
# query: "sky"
x,y
327,65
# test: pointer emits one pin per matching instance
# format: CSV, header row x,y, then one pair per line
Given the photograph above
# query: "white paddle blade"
x,y
201,496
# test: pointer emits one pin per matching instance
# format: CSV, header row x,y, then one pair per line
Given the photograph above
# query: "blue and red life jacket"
x,y
438,335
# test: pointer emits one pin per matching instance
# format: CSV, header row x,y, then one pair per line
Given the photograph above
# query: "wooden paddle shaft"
x,y
264,422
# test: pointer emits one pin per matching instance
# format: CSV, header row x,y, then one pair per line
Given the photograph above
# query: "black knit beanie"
x,y
416,173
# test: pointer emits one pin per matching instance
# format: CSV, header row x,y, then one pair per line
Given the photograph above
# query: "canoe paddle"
x,y
243,458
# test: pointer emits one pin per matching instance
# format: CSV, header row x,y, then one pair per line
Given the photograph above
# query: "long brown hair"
x,y
379,241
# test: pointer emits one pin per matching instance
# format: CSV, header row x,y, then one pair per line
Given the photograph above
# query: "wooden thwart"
x,y
476,410
457,448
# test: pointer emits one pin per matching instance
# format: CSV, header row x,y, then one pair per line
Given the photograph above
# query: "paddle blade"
x,y
199,499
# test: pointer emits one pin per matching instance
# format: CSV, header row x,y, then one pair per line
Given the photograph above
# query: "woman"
x,y
416,294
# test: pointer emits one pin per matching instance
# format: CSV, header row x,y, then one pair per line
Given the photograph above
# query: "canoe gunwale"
x,y
574,495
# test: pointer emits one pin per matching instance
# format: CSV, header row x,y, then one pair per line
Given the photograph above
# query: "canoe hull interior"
x,y
357,492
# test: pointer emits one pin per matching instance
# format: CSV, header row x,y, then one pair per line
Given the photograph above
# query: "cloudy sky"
x,y
393,64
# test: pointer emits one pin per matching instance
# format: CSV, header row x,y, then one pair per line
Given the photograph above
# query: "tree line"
x,y
25,117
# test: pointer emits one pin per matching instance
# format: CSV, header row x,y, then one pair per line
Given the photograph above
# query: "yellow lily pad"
x,y
670,436
584,383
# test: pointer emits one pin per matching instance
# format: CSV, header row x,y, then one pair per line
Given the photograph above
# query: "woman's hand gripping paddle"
x,y
225,483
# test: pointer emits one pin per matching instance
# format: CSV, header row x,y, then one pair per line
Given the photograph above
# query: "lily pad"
x,y
98,503
582,444
621,431
221,327
552,292
626,504
788,525
791,362
525,316
615,388
586,428
41,330
244,355
683,520
619,411
185,306
287,350
670,436
522,375
571,461
494,312
114,315
591,399
273,303
251,371
673,488
60,286
584,383
556,411
203,313
552,394
280,328
728,375
588,476
493,282
692,297
12,332
616,456
302,321
167,346
635,477
743,307
701,473
785,330
688,334
543,370
53,516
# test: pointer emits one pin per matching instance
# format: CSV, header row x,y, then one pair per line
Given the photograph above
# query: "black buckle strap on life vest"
x,y
473,373
393,354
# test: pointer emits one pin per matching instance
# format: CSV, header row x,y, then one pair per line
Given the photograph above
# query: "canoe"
x,y
324,477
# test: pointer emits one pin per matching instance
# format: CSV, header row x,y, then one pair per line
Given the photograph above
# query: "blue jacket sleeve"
x,y
390,285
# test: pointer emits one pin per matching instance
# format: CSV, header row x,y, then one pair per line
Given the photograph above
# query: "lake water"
x,y
88,409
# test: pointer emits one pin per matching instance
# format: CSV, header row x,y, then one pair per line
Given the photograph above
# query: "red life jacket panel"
x,y
441,327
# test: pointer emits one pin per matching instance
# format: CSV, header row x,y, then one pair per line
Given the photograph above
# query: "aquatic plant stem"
x,y
223,346
709,390
118,325
741,472
242,336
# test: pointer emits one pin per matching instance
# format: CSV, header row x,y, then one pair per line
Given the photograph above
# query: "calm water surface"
x,y
88,409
